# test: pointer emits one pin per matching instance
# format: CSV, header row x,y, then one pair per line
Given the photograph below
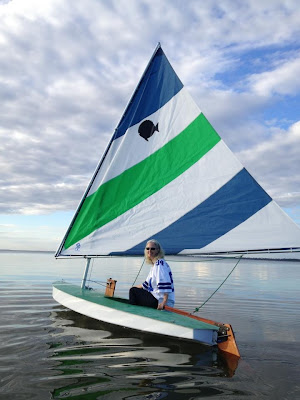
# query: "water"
x,y
49,352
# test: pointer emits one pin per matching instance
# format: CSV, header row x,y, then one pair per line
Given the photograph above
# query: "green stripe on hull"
x,y
137,183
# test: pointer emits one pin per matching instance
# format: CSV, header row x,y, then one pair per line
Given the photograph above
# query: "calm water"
x,y
49,352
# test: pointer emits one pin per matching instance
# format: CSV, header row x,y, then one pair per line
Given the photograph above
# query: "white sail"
x,y
167,174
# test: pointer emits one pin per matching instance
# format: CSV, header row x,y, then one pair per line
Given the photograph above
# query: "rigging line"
x,y
98,282
139,272
198,308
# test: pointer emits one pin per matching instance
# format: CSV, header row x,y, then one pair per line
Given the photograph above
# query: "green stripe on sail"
x,y
137,183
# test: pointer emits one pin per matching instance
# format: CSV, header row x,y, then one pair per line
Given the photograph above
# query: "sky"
x,y
68,70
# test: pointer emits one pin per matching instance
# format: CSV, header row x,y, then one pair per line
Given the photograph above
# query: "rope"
x,y
98,282
198,308
138,272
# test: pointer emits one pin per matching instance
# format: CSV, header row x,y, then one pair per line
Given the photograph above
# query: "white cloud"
x,y
283,80
276,164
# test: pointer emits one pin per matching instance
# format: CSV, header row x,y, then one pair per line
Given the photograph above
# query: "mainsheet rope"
x,y
139,272
198,308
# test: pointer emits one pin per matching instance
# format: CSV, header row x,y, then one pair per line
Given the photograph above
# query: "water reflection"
x,y
94,359
37,334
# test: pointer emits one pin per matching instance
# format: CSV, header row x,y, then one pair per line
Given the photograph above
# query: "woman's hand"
x,y
161,305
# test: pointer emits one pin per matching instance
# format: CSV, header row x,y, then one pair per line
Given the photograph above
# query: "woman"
x,y
158,289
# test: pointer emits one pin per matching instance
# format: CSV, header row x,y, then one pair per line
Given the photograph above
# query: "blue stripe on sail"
x,y
231,205
158,85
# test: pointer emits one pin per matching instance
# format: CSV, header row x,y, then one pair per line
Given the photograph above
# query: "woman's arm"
x,y
161,305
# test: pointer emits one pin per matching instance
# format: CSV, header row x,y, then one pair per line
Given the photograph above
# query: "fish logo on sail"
x,y
147,128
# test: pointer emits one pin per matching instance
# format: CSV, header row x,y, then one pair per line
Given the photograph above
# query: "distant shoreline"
x,y
26,251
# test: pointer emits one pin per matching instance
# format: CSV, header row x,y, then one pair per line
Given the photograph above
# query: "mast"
x,y
86,271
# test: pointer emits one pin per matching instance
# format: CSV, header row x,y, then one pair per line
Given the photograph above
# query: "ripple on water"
x,y
49,352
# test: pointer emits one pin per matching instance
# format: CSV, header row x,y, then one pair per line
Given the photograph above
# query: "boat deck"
x,y
121,304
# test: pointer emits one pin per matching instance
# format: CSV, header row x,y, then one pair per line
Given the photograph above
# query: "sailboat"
x,y
167,174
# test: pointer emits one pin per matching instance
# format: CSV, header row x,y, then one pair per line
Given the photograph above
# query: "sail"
x,y
168,175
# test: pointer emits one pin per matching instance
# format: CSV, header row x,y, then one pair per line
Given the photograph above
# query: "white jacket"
x,y
160,281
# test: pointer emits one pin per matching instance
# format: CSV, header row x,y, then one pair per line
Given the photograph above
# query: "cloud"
x,y
283,80
35,237
68,69
276,165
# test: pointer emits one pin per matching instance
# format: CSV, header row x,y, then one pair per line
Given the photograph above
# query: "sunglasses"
x,y
150,248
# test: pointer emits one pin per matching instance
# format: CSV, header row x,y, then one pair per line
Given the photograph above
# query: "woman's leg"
x,y
141,297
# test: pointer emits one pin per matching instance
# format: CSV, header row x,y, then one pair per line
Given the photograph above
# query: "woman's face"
x,y
151,250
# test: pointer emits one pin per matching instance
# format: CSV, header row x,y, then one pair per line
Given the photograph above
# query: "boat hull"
x,y
115,311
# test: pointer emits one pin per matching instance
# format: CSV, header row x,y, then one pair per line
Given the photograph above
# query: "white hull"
x,y
115,316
